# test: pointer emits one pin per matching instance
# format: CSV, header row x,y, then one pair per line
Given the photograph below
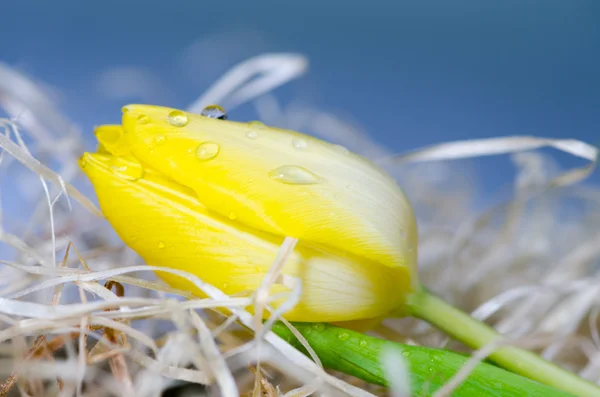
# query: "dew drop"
x,y
214,112
318,327
83,163
224,286
252,134
143,119
362,343
129,172
341,149
177,118
406,353
294,175
299,144
207,151
159,140
232,215
343,336
161,245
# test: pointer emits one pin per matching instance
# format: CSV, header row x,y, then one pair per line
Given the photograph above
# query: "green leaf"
x,y
357,354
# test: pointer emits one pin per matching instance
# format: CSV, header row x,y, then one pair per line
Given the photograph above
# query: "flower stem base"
x,y
475,334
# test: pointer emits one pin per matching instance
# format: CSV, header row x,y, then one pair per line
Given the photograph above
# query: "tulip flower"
x,y
216,198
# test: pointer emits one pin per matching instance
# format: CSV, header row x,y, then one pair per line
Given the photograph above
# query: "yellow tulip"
x,y
216,198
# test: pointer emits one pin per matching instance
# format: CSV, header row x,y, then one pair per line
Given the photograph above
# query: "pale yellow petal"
x,y
164,222
279,181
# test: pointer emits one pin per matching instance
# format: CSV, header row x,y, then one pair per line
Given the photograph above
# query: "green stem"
x,y
357,354
476,334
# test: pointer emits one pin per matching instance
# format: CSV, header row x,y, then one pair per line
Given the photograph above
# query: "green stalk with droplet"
x,y
358,355
463,327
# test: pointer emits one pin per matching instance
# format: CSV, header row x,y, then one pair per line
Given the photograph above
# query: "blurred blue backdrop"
x,y
412,73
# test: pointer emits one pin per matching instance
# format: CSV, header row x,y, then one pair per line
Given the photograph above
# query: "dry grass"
x,y
81,315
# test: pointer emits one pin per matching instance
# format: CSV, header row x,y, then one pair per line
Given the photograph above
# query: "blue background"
x,y
412,73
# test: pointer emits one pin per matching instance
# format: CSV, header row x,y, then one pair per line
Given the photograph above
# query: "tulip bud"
x,y
216,198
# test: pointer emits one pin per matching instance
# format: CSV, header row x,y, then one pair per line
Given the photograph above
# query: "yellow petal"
x,y
279,181
111,140
164,222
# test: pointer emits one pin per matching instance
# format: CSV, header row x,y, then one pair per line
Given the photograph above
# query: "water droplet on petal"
x,y
362,343
143,119
341,149
232,215
294,175
214,112
406,353
224,286
177,118
252,134
343,336
159,140
129,171
161,245
299,144
207,151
